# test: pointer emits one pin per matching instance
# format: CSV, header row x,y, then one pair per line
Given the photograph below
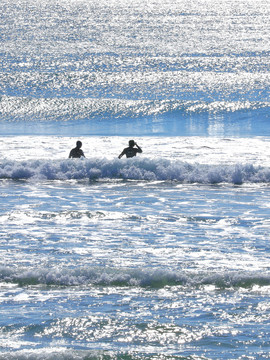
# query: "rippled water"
x,y
85,65
164,256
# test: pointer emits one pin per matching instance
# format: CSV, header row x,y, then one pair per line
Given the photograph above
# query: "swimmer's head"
x,y
79,144
131,143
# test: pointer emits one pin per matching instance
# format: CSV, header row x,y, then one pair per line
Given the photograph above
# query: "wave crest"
x,y
133,169
72,109
154,278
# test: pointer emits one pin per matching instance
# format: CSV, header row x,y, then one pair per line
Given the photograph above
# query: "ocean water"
x,y
163,256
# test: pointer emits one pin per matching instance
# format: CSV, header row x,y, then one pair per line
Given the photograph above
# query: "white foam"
x,y
153,278
134,169
51,353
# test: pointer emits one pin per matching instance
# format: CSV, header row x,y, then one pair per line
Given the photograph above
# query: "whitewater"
x,y
181,159
151,257
161,256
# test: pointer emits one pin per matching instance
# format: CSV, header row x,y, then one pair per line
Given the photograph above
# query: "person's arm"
x,y
122,153
139,148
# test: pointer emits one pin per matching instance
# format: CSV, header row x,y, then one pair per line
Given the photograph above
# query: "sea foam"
x,y
150,278
133,169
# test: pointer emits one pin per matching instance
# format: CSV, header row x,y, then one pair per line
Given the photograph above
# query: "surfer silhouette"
x,y
77,151
131,151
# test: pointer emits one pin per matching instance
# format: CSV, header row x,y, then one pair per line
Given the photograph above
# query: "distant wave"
x,y
71,109
131,277
133,169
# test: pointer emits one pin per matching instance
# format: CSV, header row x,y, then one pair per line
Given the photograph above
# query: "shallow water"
x,y
134,268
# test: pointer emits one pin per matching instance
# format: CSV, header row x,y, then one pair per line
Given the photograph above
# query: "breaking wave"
x,y
146,278
56,353
133,169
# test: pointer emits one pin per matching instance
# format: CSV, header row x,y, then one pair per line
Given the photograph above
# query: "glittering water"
x,y
163,256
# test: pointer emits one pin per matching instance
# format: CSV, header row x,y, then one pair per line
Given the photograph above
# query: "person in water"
x,y
77,151
131,151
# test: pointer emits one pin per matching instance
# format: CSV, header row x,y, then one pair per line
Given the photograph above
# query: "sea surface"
x,y
163,256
